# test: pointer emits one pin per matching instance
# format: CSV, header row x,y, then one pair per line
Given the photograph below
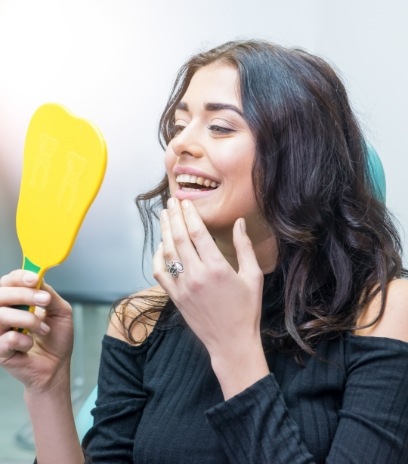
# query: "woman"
x,y
278,331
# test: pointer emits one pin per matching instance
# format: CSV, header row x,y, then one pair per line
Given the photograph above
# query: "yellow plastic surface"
x,y
65,160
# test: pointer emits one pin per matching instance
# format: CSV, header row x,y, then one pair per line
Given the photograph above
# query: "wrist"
x,y
51,412
56,383
238,369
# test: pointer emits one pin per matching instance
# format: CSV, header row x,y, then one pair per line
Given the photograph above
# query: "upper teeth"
x,y
190,179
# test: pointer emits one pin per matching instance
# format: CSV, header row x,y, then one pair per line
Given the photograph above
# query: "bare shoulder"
x,y
136,306
394,321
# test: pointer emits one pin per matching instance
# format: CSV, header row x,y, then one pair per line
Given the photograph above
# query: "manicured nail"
x,y
185,204
44,328
41,298
170,203
242,225
29,278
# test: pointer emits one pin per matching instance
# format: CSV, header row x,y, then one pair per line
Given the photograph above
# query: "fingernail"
x,y
170,203
242,224
41,298
29,278
185,204
44,328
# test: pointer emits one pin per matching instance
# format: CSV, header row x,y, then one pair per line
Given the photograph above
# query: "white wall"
x,y
368,42
113,61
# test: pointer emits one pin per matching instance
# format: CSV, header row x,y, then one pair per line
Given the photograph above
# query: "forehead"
x,y
216,82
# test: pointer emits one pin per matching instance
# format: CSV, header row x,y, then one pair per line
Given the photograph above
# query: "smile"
x,y
189,182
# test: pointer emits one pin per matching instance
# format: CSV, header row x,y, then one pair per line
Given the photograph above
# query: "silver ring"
x,y
174,268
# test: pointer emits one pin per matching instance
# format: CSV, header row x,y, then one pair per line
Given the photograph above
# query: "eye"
x,y
175,129
220,130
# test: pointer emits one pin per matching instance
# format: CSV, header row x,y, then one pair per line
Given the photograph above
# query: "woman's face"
x,y
209,161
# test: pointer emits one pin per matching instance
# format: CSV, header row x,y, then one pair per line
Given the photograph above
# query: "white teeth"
x,y
191,179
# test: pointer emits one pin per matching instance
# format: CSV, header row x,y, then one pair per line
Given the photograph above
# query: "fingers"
x,y
13,317
170,252
19,288
27,288
20,278
247,261
11,296
166,262
184,240
187,240
56,306
191,238
12,343
159,266
166,253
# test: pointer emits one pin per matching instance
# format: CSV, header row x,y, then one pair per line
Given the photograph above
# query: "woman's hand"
x,y
40,358
222,306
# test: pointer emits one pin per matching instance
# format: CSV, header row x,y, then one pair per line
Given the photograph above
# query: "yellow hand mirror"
x,y
64,164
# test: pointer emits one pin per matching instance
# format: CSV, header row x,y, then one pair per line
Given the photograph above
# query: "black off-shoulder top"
x,y
160,403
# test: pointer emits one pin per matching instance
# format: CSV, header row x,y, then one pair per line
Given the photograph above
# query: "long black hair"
x,y
337,244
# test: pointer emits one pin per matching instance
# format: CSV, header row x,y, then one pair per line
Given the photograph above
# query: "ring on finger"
x,y
174,268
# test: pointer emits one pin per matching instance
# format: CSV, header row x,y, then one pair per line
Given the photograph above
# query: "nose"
x,y
188,143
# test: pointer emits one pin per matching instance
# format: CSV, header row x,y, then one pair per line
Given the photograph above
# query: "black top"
x,y
160,403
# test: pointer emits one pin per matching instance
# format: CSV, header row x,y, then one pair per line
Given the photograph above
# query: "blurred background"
x,y
113,63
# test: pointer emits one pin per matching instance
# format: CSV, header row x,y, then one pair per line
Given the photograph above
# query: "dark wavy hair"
x,y
337,244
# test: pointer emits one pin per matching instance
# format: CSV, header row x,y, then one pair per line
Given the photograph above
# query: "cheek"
x,y
169,162
239,175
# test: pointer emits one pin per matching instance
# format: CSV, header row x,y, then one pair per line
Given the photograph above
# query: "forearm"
x,y
238,369
53,423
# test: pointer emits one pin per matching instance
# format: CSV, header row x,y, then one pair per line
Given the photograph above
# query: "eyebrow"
x,y
212,107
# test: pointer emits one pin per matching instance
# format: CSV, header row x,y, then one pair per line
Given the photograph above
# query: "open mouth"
x,y
190,182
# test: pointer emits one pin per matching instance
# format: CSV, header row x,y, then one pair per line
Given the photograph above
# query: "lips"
x,y
190,181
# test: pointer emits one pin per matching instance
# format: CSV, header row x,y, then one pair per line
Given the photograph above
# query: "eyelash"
x,y
176,129
219,130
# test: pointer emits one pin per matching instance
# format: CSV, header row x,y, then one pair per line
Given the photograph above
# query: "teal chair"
x,y
84,418
377,174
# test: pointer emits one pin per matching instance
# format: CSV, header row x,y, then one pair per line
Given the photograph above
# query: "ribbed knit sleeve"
x,y
373,420
120,402
256,427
